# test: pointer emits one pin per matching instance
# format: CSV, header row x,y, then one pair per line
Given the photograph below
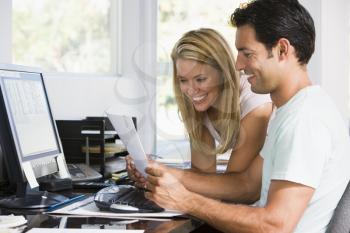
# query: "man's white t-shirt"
x,y
308,143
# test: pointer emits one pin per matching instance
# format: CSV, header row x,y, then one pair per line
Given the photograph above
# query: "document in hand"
x,y
125,128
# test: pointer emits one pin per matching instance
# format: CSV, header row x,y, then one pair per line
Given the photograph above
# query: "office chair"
x,y
340,222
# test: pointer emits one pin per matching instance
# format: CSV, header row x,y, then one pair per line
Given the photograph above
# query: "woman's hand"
x,y
134,174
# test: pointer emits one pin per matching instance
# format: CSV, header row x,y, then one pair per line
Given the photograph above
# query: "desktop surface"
x,y
39,220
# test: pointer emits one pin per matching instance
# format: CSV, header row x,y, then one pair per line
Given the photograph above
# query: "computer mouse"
x,y
107,196
124,199
120,208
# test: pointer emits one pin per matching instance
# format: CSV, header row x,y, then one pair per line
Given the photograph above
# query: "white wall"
x,y
329,65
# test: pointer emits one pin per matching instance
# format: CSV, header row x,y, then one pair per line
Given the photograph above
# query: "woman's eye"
x,y
201,79
183,80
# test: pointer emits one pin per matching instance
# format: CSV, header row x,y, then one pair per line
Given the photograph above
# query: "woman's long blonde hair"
x,y
207,46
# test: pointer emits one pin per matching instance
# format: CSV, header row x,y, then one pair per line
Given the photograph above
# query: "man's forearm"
x,y
227,186
231,218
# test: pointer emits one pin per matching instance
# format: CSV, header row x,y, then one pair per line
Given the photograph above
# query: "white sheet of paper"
x,y
77,230
87,207
29,173
125,128
7,221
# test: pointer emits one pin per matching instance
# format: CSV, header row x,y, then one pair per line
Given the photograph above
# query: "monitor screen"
x,y
29,115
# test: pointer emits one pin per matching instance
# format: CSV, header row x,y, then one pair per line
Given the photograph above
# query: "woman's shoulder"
x,y
250,100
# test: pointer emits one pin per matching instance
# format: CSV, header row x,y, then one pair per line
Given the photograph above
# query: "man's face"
x,y
259,65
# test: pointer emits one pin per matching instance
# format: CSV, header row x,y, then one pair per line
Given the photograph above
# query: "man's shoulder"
x,y
308,102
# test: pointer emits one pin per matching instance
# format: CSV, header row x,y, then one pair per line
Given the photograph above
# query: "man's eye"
x,y
248,55
183,80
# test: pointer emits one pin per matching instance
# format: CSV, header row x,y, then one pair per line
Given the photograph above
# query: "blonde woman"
x,y
219,111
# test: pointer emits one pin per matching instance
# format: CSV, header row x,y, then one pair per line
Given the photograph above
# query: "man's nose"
x,y
239,63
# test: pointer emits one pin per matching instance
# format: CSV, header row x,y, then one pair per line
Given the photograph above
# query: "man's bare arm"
x,y
286,203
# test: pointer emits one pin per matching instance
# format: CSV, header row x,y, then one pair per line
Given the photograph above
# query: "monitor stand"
x,y
32,199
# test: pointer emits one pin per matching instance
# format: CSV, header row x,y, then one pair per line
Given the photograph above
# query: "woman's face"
x,y
199,82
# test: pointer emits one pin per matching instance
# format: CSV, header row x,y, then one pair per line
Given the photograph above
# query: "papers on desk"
x,y
87,207
125,128
11,221
75,230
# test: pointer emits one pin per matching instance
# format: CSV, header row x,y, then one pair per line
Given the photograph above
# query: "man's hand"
x,y
134,174
165,189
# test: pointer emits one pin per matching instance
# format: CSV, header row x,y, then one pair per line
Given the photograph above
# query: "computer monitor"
x,y
28,134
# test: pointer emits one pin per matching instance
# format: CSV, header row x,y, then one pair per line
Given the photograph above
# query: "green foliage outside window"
x,y
64,36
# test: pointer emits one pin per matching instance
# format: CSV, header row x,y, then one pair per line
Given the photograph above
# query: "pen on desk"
x,y
66,202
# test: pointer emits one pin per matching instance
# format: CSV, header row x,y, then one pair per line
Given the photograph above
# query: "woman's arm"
x,y
202,162
251,138
250,142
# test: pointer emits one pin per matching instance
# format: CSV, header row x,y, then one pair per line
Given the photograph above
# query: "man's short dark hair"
x,y
276,19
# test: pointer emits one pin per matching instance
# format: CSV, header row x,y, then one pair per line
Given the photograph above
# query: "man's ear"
x,y
283,48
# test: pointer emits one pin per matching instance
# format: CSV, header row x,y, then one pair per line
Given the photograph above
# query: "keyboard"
x,y
125,199
82,172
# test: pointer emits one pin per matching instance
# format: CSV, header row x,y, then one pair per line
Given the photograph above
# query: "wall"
x,y
329,66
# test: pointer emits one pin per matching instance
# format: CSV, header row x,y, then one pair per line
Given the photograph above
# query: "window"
x,y
175,17
64,36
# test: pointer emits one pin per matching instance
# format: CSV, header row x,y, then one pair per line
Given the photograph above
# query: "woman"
x,y
216,106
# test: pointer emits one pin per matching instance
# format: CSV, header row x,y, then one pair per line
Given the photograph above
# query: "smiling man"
x,y
302,170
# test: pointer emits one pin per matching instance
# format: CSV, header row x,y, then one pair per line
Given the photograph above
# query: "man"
x,y
302,170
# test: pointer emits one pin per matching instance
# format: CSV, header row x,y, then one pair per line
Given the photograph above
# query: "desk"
x,y
173,225
177,225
